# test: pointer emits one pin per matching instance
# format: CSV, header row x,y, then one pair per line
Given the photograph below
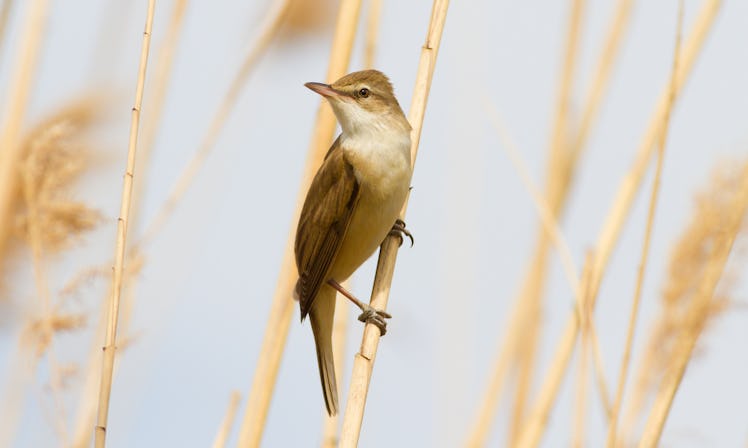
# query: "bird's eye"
x,y
363,93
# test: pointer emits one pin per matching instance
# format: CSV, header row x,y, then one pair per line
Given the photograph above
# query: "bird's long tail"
x,y
321,317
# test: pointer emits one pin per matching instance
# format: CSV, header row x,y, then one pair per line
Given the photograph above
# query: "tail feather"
x,y
321,317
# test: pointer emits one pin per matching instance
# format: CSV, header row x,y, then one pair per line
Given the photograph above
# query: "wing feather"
x,y
323,223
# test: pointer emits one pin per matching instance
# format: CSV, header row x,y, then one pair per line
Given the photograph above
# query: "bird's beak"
x,y
325,90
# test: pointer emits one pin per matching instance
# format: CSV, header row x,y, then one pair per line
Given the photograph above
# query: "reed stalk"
x,y
558,172
278,322
5,11
86,414
601,76
162,72
268,30
580,398
373,17
16,102
225,428
634,315
363,362
107,369
535,427
545,212
486,412
341,322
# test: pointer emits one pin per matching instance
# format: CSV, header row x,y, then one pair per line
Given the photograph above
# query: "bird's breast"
x,y
383,170
380,160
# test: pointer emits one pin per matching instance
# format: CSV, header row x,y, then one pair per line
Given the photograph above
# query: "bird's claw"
x,y
375,317
398,229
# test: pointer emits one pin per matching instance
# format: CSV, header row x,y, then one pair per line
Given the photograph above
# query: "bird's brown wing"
x,y
324,220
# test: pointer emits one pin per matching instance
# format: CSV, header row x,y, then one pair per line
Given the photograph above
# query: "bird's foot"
x,y
376,317
398,229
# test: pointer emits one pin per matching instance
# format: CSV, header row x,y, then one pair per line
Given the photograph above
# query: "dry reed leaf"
x,y
53,157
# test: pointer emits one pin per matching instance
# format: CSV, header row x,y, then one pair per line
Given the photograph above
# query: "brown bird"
x,y
351,206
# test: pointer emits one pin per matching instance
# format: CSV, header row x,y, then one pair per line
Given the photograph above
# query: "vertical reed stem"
x,y
613,427
281,310
363,363
107,369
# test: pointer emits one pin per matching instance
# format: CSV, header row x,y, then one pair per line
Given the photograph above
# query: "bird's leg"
x,y
398,229
370,315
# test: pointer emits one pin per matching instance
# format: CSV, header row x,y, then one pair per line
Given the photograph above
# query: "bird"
x,y
352,205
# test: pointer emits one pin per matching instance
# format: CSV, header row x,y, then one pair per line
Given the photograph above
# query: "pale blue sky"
x,y
206,288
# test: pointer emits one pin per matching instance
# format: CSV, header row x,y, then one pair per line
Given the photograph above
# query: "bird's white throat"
x,y
373,136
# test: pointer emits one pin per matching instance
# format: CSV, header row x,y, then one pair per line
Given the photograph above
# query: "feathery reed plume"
x,y
225,429
276,332
53,155
689,300
626,359
107,368
535,427
19,90
363,363
703,252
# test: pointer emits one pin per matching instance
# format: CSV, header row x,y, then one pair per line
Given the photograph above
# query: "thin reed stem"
x,y
160,87
86,414
488,407
580,398
16,100
608,239
269,28
107,369
602,384
276,332
363,362
626,359
601,76
330,423
547,217
5,10
558,170
373,18
223,432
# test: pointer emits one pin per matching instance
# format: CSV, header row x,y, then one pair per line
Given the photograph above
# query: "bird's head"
x,y
363,102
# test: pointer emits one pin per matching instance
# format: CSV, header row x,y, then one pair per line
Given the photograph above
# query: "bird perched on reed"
x,y
352,205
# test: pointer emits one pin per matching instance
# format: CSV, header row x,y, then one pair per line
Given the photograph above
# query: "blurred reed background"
x,y
578,208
